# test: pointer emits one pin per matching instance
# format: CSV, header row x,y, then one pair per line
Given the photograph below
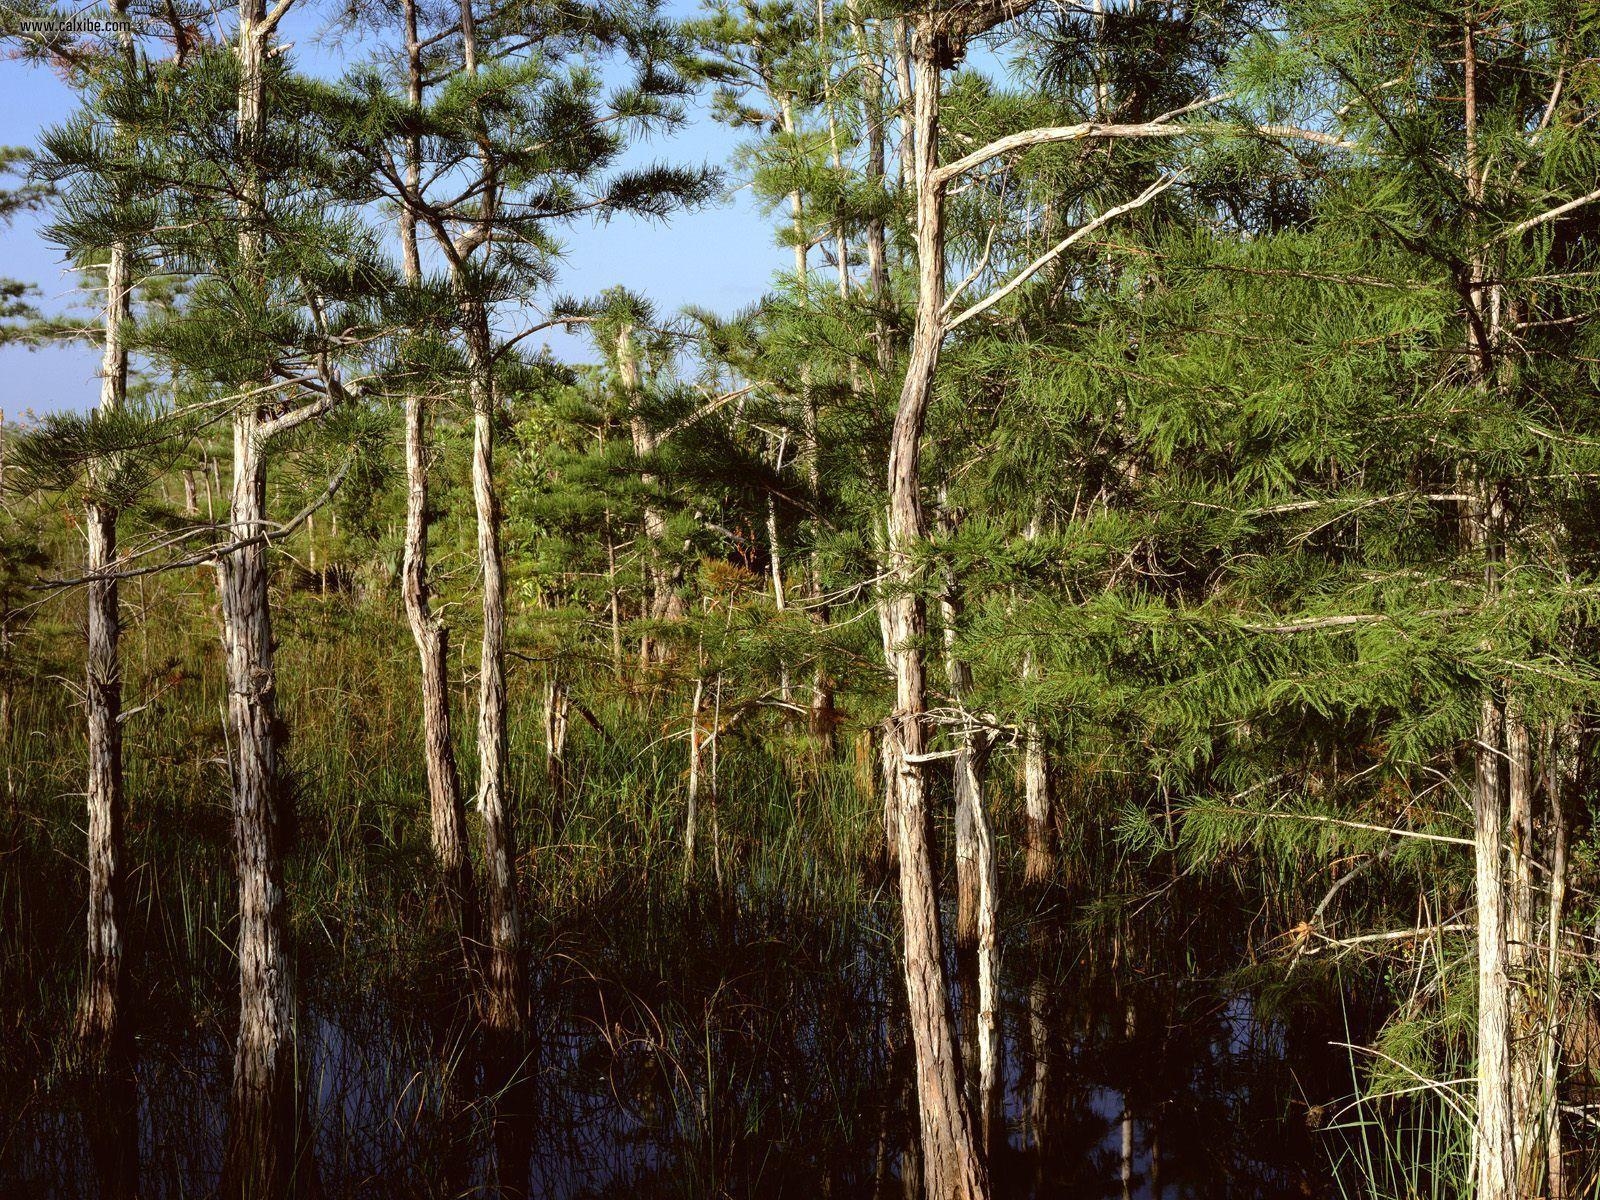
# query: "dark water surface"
x,y
720,1051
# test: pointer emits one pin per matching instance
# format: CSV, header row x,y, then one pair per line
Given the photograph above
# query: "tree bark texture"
x,y
100,1004
505,999
261,1139
446,806
952,1164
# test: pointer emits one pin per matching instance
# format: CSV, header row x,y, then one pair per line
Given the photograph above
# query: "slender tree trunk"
x,y
1522,955
446,805
100,1005
505,1002
873,117
775,557
1495,1134
952,1164
691,823
557,719
1561,775
889,749
261,1141
977,870
99,1010
662,602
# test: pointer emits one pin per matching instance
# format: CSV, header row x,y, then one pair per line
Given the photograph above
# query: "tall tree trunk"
x,y
446,805
977,870
557,720
1038,784
952,1164
261,1139
505,1001
1495,1133
100,1005
262,1133
873,117
1496,1153
692,821
1523,967
662,601
99,1010
1561,777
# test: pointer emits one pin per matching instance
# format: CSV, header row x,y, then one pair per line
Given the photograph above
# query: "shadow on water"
x,y
726,1048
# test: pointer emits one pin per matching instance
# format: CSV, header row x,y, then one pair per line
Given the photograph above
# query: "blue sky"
x,y
721,258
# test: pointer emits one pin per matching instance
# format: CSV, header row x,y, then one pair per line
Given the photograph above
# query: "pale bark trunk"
x,y
1495,1141
505,1000
263,1077
262,1130
446,805
1038,784
557,720
99,1008
1562,771
691,823
977,873
952,1164
1522,958
1494,1144
1038,804
889,751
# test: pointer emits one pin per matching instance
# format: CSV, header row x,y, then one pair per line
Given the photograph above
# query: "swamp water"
x,y
722,1049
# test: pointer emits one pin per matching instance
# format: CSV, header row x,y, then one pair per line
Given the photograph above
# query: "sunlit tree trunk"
x,y
505,999
262,1130
952,1164
1495,1133
446,806
99,1010
977,869
557,720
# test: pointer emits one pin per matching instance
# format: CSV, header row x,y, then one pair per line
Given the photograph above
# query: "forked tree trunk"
x,y
952,1165
100,1005
446,806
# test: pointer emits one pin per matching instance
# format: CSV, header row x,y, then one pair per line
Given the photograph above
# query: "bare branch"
x,y
1061,247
